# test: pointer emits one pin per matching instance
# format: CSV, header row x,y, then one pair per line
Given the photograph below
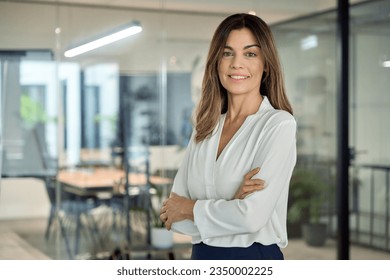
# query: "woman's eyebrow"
x,y
246,47
251,46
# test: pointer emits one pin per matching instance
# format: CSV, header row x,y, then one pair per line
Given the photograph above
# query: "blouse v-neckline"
x,y
220,136
237,133
232,139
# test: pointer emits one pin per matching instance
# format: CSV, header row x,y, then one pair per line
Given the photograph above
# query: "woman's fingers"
x,y
172,210
252,182
246,190
252,188
251,173
165,219
250,185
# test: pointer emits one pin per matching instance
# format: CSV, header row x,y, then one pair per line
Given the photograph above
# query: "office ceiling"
x,y
185,26
271,10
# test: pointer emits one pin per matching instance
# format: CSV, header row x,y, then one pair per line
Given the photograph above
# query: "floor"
x,y
24,240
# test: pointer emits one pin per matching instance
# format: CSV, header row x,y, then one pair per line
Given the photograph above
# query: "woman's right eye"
x,y
226,53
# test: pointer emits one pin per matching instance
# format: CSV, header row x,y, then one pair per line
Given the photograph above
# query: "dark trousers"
x,y
256,251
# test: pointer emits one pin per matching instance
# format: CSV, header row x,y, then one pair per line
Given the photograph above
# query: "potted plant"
x,y
161,238
309,193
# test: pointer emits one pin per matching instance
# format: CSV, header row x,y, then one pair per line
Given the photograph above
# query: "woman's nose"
x,y
236,62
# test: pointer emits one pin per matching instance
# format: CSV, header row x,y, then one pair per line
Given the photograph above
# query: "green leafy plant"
x,y
156,222
32,112
308,193
111,119
161,193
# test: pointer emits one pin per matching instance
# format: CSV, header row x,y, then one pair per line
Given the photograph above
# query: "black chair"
x,y
130,206
74,214
71,208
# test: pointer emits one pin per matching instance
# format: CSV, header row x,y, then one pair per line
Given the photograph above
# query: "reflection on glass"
x,y
308,50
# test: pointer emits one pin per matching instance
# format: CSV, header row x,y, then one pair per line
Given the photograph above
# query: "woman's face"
x,y
242,63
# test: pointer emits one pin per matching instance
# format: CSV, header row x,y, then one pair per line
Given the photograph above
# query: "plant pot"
x,y
294,230
314,234
161,238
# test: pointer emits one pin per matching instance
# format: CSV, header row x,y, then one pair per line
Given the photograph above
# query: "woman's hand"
x,y
249,185
176,208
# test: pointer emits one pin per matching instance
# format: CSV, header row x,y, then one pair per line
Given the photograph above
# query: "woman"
x,y
230,193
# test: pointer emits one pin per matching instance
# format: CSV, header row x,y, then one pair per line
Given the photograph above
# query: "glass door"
x,y
369,115
308,50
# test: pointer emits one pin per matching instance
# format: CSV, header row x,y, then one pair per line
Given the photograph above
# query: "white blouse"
x,y
267,140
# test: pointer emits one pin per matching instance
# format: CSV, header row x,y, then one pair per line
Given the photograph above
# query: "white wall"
x,y
23,198
168,157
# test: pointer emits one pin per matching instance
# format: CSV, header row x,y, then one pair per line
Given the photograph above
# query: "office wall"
x,y
23,199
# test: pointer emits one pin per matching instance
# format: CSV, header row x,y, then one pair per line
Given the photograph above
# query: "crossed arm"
x,y
177,208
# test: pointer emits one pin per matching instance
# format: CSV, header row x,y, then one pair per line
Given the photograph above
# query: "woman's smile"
x,y
238,77
242,63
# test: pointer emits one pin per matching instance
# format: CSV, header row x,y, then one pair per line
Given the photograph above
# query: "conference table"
x,y
95,181
106,182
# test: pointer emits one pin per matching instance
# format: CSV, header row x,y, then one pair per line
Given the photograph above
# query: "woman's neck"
x,y
239,108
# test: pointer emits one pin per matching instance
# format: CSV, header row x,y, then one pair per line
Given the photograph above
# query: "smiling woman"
x,y
230,194
242,64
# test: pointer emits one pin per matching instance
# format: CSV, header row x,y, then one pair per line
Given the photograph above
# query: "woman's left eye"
x,y
250,54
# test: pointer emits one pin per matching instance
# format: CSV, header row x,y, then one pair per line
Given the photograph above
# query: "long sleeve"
x,y
276,155
180,187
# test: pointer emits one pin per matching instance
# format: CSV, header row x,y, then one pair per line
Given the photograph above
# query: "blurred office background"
x,y
130,103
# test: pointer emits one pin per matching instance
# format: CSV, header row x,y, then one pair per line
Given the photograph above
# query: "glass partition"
x,y
369,112
90,112
29,117
308,50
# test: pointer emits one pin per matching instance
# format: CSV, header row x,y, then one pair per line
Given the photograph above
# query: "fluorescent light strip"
x,y
386,63
309,42
103,41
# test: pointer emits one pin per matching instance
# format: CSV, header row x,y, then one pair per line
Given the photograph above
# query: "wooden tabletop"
x,y
103,179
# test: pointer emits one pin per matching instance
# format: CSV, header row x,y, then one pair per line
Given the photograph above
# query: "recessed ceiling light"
x,y
127,31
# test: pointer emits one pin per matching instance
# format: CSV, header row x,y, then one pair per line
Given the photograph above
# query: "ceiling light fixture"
x,y
123,32
386,63
309,42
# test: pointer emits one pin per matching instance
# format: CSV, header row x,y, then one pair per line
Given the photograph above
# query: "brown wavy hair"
x,y
214,100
